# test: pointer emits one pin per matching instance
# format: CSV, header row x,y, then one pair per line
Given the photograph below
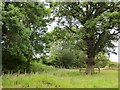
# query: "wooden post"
x,y
18,73
79,69
25,71
11,72
8,72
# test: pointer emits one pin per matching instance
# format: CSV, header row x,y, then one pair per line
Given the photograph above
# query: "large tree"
x,y
23,29
96,24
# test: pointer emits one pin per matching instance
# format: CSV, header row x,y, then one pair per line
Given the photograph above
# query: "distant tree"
x,y
113,64
65,58
79,60
101,60
64,46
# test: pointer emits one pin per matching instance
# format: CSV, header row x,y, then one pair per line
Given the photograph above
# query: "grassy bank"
x,y
63,78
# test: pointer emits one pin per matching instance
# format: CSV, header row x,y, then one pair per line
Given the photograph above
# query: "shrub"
x,y
39,67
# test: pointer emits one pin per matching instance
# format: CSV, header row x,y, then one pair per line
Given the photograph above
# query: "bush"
x,y
65,58
106,66
39,67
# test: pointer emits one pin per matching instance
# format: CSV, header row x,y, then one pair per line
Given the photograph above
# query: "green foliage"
x,y
12,62
95,24
25,34
39,67
80,58
24,26
113,65
64,58
15,33
65,50
101,60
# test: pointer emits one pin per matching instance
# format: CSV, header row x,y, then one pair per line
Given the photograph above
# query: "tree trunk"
x,y
99,69
28,66
90,65
80,69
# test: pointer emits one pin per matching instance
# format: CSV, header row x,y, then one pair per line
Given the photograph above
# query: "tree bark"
x,y
80,69
90,65
28,66
99,69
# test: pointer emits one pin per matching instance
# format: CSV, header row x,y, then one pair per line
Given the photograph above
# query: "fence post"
x,y
25,71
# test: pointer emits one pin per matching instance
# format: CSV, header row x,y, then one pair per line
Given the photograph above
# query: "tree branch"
x,y
70,29
115,33
81,48
97,44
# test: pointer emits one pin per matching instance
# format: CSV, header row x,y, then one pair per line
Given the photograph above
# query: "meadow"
x,y
62,78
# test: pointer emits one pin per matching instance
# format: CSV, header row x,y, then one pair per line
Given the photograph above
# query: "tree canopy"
x,y
97,21
85,32
24,25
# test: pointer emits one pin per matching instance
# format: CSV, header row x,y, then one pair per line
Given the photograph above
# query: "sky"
x,y
114,57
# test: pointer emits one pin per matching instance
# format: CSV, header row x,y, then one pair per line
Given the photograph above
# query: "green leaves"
x,y
97,19
101,60
24,25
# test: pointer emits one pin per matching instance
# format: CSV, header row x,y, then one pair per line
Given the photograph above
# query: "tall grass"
x,y
0,82
62,79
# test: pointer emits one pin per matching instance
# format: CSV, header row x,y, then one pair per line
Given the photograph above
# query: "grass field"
x,y
0,82
62,78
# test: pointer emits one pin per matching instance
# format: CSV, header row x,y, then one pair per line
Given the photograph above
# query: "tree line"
x,y
84,33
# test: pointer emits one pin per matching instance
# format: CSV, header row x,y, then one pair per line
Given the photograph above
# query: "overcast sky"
x,y
114,57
